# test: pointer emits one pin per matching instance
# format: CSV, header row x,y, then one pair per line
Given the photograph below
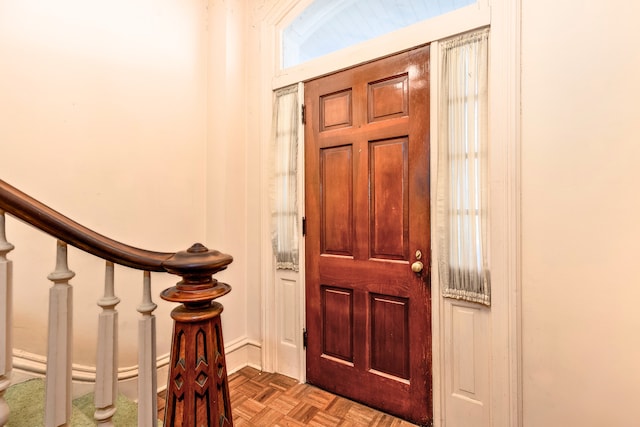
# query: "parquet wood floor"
x,y
261,399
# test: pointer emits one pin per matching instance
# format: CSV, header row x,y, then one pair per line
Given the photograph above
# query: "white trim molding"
x,y
461,20
243,352
29,365
238,354
502,335
36,364
505,217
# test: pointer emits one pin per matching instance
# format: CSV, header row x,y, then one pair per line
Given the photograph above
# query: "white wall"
x,y
131,117
103,117
233,177
580,224
137,120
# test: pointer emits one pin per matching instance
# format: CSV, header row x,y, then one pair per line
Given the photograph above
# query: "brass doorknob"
x,y
417,267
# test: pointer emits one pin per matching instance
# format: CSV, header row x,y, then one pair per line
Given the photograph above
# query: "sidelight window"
x,y
284,194
462,169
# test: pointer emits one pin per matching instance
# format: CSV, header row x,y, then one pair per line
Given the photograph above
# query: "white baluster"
x,y
58,382
107,365
147,380
6,301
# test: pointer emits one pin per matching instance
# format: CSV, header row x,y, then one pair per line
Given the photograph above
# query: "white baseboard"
x,y
243,352
239,353
27,366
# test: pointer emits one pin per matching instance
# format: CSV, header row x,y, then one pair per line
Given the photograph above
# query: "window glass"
x,y
326,26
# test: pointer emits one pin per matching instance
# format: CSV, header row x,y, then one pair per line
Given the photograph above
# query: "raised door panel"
x,y
466,356
390,336
389,202
336,188
388,98
367,209
336,110
337,323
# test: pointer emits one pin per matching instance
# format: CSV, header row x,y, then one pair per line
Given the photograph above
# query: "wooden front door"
x,y
368,315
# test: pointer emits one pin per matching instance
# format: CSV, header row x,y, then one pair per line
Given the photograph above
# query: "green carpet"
x,y
26,402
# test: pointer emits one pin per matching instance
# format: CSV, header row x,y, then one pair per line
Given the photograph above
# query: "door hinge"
x,y
304,225
305,338
303,114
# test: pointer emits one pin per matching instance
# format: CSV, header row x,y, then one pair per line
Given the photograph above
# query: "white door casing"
x,y
477,351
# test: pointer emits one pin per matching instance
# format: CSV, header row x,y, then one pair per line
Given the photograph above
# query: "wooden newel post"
x,y
197,387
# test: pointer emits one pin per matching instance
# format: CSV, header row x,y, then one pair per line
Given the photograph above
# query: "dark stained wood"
x,y
42,217
368,314
388,98
337,313
197,387
389,207
336,111
390,335
31,211
337,204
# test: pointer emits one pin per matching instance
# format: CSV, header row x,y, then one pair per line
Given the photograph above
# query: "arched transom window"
x,y
326,26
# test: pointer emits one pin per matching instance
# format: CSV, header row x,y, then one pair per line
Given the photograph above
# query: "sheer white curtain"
x,y
462,169
284,206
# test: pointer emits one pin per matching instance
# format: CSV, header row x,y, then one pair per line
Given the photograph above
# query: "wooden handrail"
x,y
196,320
28,209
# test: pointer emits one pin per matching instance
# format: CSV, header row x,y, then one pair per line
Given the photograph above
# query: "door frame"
x,y
503,16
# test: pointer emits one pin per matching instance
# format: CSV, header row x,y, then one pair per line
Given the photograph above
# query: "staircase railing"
x,y
197,387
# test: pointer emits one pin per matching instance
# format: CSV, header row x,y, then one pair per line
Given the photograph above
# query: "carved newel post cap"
x,y
196,265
